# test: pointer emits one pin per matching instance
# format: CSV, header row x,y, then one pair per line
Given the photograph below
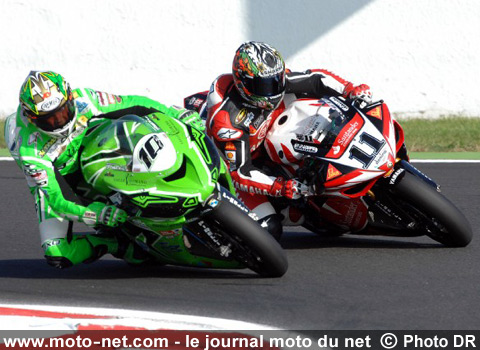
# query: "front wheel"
x,y
442,221
252,245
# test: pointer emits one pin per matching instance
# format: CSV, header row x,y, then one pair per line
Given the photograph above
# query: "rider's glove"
x,y
291,189
102,214
193,119
360,92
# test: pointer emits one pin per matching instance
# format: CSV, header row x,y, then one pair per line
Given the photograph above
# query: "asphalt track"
x,y
345,283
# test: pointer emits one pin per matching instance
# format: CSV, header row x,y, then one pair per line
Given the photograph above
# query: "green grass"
x,y
445,155
449,134
449,137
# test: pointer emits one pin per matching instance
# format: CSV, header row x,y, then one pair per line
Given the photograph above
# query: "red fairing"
x,y
257,136
399,134
387,118
276,159
337,183
351,213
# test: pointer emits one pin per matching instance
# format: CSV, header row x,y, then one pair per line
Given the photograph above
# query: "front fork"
x,y
401,166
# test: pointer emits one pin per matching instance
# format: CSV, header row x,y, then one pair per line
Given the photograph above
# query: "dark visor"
x,y
56,119
266,86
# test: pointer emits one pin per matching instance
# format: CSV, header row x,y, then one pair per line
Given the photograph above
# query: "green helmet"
x,y
47,101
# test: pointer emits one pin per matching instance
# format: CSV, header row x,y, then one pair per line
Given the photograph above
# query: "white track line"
x,y
124,317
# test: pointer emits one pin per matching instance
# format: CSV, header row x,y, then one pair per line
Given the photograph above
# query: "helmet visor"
x,y
54,120
266,86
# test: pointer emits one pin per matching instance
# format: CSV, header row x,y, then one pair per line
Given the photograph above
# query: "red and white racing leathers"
x,y
239,130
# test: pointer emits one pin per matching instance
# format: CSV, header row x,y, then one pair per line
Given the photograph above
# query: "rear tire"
x,y
255,247
454,229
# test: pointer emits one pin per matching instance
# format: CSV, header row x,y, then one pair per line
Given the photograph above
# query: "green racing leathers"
x,y
41,156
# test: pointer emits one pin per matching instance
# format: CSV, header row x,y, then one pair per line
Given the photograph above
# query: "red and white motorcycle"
x,y
355,160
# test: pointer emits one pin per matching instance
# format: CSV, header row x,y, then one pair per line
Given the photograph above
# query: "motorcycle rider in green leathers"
x,y
44,137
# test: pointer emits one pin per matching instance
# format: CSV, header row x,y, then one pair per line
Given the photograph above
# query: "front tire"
x,y
450,227
254,246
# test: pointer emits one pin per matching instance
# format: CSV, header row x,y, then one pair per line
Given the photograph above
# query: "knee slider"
x,y
273,224
58,262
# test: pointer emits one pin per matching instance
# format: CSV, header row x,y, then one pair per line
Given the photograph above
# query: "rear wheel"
x,y
252,245
441,220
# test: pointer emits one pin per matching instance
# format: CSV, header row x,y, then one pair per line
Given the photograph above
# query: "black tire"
x,y
454,229
256,248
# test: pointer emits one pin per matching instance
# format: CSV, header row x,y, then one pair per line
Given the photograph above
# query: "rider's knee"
x,y
56,252
62,253
273,224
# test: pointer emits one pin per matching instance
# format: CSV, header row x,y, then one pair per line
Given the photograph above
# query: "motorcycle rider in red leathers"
x,y
241,107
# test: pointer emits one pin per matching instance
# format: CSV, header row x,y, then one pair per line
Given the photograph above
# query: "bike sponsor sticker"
x,y
303,148
345,137
209,232
213,202
315,124
347,213
114,166
241,206
395,176
339,103
332,172
170,233
376,113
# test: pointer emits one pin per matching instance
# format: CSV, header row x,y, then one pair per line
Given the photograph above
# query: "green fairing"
x,y
36,152
118,157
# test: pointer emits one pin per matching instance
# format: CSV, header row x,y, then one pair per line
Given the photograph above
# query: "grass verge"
x,y
450,134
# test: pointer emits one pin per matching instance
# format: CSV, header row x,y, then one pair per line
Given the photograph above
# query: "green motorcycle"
x,y
177,191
